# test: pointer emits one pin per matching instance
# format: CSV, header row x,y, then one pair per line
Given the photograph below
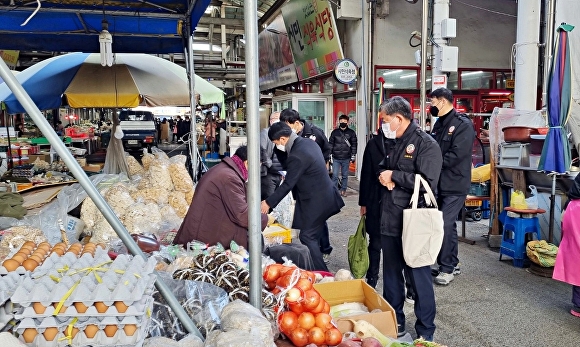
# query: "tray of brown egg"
x,y
30,255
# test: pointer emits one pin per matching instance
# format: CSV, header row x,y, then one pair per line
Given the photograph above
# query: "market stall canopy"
x,y
153,26
133,80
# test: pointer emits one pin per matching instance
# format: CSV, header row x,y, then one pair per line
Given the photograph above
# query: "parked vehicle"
x,y
138,130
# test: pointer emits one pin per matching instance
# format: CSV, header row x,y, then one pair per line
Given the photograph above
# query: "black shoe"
x,y
401,330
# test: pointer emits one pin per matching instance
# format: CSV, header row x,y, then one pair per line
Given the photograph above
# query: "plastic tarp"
x,y
153,26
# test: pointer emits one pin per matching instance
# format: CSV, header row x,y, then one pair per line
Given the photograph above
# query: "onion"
x,y
306,320
270,285
294,295
288,321
316,336
299,337
283,281
272,272
311,300
333,337
304,284
320,306
326,308
296,307
323,321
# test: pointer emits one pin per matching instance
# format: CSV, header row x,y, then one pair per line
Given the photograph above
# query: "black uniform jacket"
x,y
313,132
454,133
316,196
413,153
371,190
342,143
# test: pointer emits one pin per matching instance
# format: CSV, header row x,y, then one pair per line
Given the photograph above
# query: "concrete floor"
x,y
492,303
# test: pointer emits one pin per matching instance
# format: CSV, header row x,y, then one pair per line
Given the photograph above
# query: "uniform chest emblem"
x,y
410,149
313,138
451,129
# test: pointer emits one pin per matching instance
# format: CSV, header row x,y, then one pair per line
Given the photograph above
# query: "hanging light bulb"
x,y
119,132
106,44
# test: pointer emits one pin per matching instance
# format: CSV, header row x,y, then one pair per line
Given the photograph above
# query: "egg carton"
x,y
99,252
139,308
6,314
8,285
118,335
95,279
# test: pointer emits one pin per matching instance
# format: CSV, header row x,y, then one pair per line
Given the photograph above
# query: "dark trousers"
x,y
373,228
343,166
311,238
420,281
325,246
268,183
450,205
576,296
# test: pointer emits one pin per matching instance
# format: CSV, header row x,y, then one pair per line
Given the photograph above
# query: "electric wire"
x,y
486,9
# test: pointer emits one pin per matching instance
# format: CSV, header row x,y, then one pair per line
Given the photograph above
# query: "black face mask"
x,y
434,111
343,126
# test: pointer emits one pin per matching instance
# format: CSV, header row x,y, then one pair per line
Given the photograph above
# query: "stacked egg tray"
x,y
8,285
100,302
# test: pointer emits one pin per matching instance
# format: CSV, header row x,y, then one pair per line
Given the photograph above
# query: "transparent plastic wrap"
x,y
238,315
142,218
188,341
234,338
150,194
284,211
178,202
203,302
159,175
189,196
147,159
16,236
159,154
119,198
135,169
170,220
179,175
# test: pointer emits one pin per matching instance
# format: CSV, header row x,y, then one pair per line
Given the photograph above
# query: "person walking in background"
x,y
307,177
566,268
271,166
343,145
164,138
369,199
178,128
174,131
312,132
454,133
414,152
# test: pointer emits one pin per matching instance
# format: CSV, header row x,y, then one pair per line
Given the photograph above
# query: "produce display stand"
x,y
91,190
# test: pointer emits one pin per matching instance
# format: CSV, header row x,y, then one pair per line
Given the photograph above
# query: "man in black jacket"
x,y
271,166
310,131
307,178
414,152
343,145
454,133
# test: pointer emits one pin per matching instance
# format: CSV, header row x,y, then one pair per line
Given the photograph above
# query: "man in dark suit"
x,y
316,197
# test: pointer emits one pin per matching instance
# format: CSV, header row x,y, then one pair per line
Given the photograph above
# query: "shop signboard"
x,y
10,57
313,36
276,63
346,71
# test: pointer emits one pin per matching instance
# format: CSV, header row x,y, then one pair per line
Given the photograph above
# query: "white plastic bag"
x,y
532,201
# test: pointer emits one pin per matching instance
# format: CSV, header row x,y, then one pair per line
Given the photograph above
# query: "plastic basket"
x,y
275,231
479,189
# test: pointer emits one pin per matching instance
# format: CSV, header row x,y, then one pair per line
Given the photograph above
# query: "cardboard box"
x,y
93,167
336,293
32,157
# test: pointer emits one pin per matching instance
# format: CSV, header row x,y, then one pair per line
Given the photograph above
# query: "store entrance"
x,y
315,108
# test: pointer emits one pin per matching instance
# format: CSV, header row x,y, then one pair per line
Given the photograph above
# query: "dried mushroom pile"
x,y
155,200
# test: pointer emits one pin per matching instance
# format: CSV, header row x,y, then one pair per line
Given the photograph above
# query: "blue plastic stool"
x,y
515,230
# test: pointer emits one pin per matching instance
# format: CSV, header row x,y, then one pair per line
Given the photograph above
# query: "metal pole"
x,y
552,207
424,17
548,48
253,122
192,104
91,190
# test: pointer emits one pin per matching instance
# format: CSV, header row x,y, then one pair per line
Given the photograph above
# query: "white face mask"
x,y
281,147
389,134
427,128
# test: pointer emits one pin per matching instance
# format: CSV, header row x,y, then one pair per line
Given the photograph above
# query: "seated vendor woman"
x,y
219,210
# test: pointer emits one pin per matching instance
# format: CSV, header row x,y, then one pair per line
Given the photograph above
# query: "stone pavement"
x,y
492,303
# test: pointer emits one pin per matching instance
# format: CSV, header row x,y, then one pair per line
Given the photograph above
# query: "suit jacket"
x,y
307,177
371,189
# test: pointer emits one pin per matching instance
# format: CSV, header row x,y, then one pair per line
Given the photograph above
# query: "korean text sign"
x,y
313,36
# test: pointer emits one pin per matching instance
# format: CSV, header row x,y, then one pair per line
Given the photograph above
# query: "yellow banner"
x,y
10,57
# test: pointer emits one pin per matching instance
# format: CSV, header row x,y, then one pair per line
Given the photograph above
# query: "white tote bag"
x,y
422,229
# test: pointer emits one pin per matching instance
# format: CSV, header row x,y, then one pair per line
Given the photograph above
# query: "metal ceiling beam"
x,y
271,11
96,11
232,23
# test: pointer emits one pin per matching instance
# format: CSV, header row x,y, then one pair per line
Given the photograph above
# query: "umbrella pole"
x,y
10,161
552,206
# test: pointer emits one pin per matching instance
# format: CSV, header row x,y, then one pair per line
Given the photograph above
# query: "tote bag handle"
x,y
429,197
